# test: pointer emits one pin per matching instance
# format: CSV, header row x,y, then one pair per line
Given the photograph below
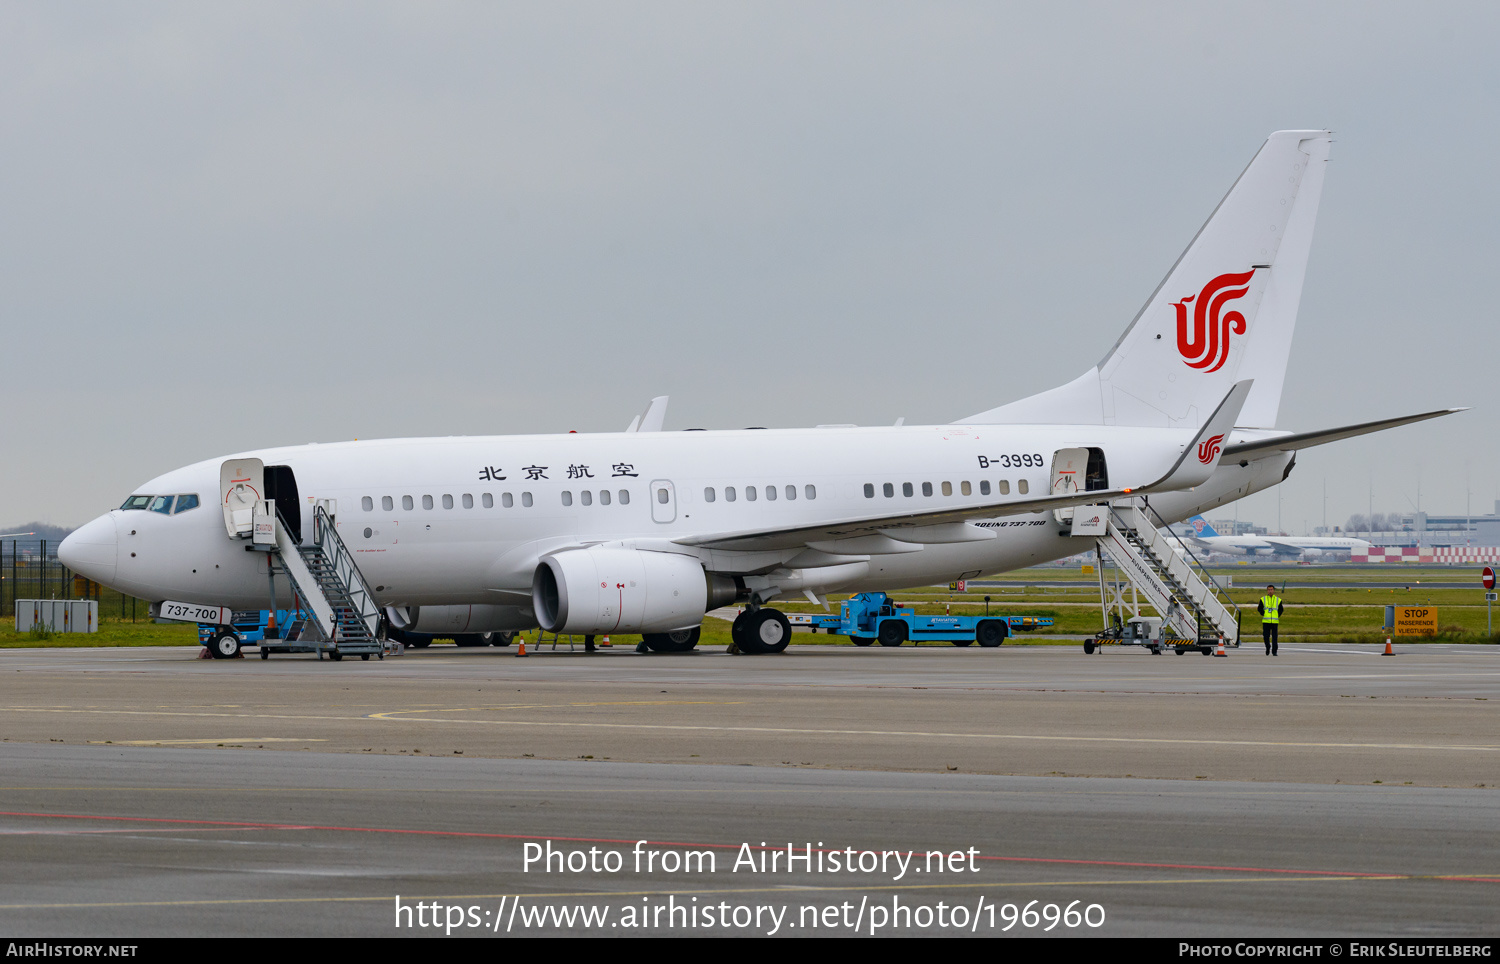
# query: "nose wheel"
x,y
224,645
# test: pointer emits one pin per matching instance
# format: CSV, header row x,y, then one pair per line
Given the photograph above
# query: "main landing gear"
x,y
681,641
761,631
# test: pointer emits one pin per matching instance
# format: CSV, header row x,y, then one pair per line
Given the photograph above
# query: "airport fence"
x,y
30,569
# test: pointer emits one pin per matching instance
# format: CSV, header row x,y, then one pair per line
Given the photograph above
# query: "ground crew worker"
x,y
1270,618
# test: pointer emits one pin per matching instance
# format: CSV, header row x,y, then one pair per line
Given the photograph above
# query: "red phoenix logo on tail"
x,y
1204,343
1208,450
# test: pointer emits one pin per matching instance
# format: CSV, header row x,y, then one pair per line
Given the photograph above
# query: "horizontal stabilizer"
x,y
1260,448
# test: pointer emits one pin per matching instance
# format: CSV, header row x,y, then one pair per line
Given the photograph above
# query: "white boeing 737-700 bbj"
x,y
644,531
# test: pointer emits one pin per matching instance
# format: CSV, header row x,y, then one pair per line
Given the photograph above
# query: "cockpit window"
x,y
137,502
185,502
162,504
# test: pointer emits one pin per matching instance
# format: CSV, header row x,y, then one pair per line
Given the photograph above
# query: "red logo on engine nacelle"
x,y
1204,342
1208,450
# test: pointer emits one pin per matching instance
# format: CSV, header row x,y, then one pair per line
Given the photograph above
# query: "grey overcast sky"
x,y
227,225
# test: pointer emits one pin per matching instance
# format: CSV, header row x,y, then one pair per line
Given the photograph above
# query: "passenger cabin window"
x,y
184,503
447,501
625,497
906,489
811,491
662,496
406,502
889,490
708,494
1004,487
770,493
604,497
791,492
367,503
487,500
869,490
507,500
1021,486
965,488
526,499
567,497
729,495
387,503
426,501
586,497
947,488
468,501
984,486
749,493
927,488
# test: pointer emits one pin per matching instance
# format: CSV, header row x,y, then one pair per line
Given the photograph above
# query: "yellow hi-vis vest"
x,y
1273,609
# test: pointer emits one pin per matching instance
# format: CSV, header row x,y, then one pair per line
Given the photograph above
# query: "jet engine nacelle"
x,y
448,620
610,590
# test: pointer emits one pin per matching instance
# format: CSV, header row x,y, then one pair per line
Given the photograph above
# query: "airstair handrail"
x,y
326,537
1220,592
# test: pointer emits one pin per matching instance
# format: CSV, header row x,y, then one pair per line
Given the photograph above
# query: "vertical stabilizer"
x,y
1224,313
1202,529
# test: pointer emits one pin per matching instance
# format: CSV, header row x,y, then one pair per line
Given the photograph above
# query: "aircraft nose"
x,y
92,550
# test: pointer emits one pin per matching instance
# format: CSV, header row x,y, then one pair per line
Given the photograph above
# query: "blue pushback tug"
x,y
870,616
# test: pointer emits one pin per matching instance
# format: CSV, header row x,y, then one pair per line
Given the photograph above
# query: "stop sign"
x,y
1489,578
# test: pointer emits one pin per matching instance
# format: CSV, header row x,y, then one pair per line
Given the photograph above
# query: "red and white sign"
x,y
1489,578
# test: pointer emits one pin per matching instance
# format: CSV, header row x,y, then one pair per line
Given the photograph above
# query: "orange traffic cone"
x,y
1220,650
606,643
1388,651
521,646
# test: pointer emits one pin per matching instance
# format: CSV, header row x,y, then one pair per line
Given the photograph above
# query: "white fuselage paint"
x,y
459,555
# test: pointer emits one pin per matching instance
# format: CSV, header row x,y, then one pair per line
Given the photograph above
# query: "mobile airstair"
x,y
1151,562
344,619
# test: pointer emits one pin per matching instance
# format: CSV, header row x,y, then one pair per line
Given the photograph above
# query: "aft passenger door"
x,y
1069,475
663,501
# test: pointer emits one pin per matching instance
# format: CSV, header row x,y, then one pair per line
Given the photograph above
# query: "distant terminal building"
x,y
1234,527
1422,537
1425,530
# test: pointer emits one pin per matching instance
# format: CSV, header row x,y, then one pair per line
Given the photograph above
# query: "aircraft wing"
x,y
903,531
1281,548
931,526
1305,440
